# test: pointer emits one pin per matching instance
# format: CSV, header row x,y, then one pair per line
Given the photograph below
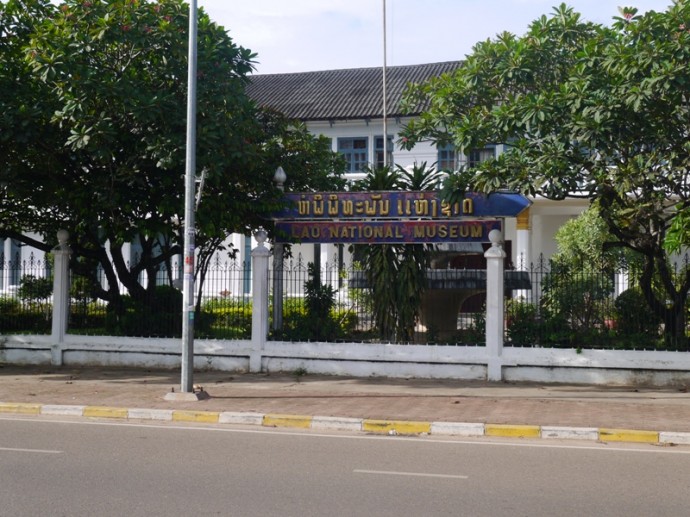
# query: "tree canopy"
x,y
93,125
583,110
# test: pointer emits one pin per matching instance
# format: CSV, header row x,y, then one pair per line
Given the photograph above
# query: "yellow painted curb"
x,y
298,421
628,435
24,409
396,426
206,417
512,431
105,412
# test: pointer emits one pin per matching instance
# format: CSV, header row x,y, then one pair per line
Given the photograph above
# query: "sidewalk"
x,y
525,409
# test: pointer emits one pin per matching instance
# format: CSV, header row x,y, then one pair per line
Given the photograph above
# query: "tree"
x,y
94,98
584,111
579,288
396,273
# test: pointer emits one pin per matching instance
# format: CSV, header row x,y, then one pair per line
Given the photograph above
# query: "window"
x,y
378,151
446,159
477,156
355,151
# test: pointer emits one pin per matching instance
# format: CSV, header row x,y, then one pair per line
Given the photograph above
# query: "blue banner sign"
x,y
399,205
386,232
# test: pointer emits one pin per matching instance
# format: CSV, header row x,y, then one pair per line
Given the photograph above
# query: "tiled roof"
x,y
353,93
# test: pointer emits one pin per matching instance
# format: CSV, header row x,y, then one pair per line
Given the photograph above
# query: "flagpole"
x,y
385,102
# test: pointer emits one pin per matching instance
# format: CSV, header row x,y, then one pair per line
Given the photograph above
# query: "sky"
x,y
309,35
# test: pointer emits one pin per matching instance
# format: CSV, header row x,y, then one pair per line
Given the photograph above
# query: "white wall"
x,y
546,218
606,367
360,128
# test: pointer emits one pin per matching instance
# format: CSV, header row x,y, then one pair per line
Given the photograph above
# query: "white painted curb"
x,y
334,423
457,429
679,438
150,414
239,418
51,409
569,433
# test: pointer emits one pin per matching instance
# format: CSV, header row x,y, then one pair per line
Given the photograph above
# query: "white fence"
x,y
493,362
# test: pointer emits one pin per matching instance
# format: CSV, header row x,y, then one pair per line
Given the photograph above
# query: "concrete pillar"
x,y
11,265
61,286
260,256
494,305
523,239
523,258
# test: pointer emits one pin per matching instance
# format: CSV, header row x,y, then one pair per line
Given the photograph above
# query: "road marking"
x,y
41,451
412,474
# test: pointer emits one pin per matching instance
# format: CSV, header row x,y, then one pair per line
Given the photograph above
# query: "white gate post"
x,y
260,256
494,305
61,255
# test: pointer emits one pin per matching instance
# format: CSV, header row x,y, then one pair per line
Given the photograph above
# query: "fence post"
x,y
260,256
61,254
494,305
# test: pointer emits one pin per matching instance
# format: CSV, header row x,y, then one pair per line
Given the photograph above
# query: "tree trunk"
x,y
674,327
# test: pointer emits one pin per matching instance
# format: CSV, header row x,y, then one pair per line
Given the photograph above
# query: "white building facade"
x,y
346,106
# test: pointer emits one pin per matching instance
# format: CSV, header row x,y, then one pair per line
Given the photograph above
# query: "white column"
x,y
9,266
5,270
61,255
260,256
523,257
494,305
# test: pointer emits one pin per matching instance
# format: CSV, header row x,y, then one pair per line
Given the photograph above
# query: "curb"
x,y
369,426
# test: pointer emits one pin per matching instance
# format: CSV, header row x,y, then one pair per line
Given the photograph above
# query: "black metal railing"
x,y
26,292
547,305
585,307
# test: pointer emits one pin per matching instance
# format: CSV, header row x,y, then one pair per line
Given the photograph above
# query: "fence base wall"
x,y
597,376
376,369
600,367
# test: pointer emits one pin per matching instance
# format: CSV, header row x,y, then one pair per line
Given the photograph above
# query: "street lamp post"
x,y
187,384
279,178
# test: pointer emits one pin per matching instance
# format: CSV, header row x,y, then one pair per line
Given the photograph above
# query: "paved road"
x,y
79,467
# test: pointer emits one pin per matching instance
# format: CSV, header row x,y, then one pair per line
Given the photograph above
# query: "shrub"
x,y
523,326
160,315
556,331
9,306
475,333
228,319
633,315
87,315
579,296
33,289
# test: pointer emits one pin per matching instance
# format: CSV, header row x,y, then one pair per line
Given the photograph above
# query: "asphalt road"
x,y
83,468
